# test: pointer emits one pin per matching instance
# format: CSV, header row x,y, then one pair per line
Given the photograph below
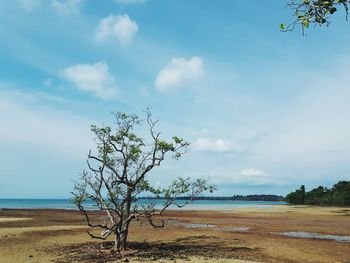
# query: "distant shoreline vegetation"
x,y
228,198
338,195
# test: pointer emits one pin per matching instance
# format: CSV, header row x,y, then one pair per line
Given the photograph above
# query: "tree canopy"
x,y
314,12
338,195
118,173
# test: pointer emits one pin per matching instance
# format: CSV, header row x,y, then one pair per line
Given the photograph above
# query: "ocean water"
x,y
196,205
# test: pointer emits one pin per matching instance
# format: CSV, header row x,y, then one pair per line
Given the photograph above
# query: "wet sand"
x,y
242,236
9,219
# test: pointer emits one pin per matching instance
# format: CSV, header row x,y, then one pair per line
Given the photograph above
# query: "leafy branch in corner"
x,y
314,12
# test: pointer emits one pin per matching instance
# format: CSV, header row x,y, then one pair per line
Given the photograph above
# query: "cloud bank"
x,y
216,146
253,172
29,122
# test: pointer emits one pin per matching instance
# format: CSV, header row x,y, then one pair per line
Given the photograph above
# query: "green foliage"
x,y
297,197
316,12
339,195
319,195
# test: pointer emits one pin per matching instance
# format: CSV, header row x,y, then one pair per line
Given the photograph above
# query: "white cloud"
x,y
30,5
178,72
66,6
217,146
94,78
121,27
128,2
253,172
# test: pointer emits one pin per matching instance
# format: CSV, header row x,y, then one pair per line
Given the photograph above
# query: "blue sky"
x,y
265,111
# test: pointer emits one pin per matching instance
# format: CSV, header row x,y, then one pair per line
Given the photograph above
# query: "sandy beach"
x,y
242,236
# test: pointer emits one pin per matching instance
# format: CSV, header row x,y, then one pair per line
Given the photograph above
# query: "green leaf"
x,y
282,26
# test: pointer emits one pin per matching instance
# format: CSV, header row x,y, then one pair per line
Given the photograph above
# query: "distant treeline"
x,y
338,195
231,198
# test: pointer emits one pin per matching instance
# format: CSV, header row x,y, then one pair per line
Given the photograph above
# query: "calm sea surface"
x,y
196,205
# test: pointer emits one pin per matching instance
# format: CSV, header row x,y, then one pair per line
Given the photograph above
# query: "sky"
x,y
265,111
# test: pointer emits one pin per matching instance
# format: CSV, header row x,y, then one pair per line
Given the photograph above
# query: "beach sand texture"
x,y
244,235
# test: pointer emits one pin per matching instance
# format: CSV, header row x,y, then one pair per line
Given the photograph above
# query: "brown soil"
x,y
60,236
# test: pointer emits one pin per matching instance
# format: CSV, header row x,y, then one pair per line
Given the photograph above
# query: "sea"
x,y
195,205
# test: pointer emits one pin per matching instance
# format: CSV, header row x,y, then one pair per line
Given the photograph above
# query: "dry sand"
x,y
60,236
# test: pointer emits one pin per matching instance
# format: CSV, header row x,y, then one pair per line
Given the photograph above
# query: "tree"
x,y
317,196
302,194
338,195
297,197
117,175
341,193
316,12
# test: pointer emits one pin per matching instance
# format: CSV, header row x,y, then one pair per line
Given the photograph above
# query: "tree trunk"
x,y
116,242
122,236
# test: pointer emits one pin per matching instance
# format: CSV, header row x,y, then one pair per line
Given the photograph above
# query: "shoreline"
x,y
197,205
248,208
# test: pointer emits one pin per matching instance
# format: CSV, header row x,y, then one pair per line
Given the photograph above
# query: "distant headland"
x,y
255,197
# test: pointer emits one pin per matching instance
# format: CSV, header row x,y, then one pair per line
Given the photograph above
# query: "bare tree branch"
x,y
118,174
